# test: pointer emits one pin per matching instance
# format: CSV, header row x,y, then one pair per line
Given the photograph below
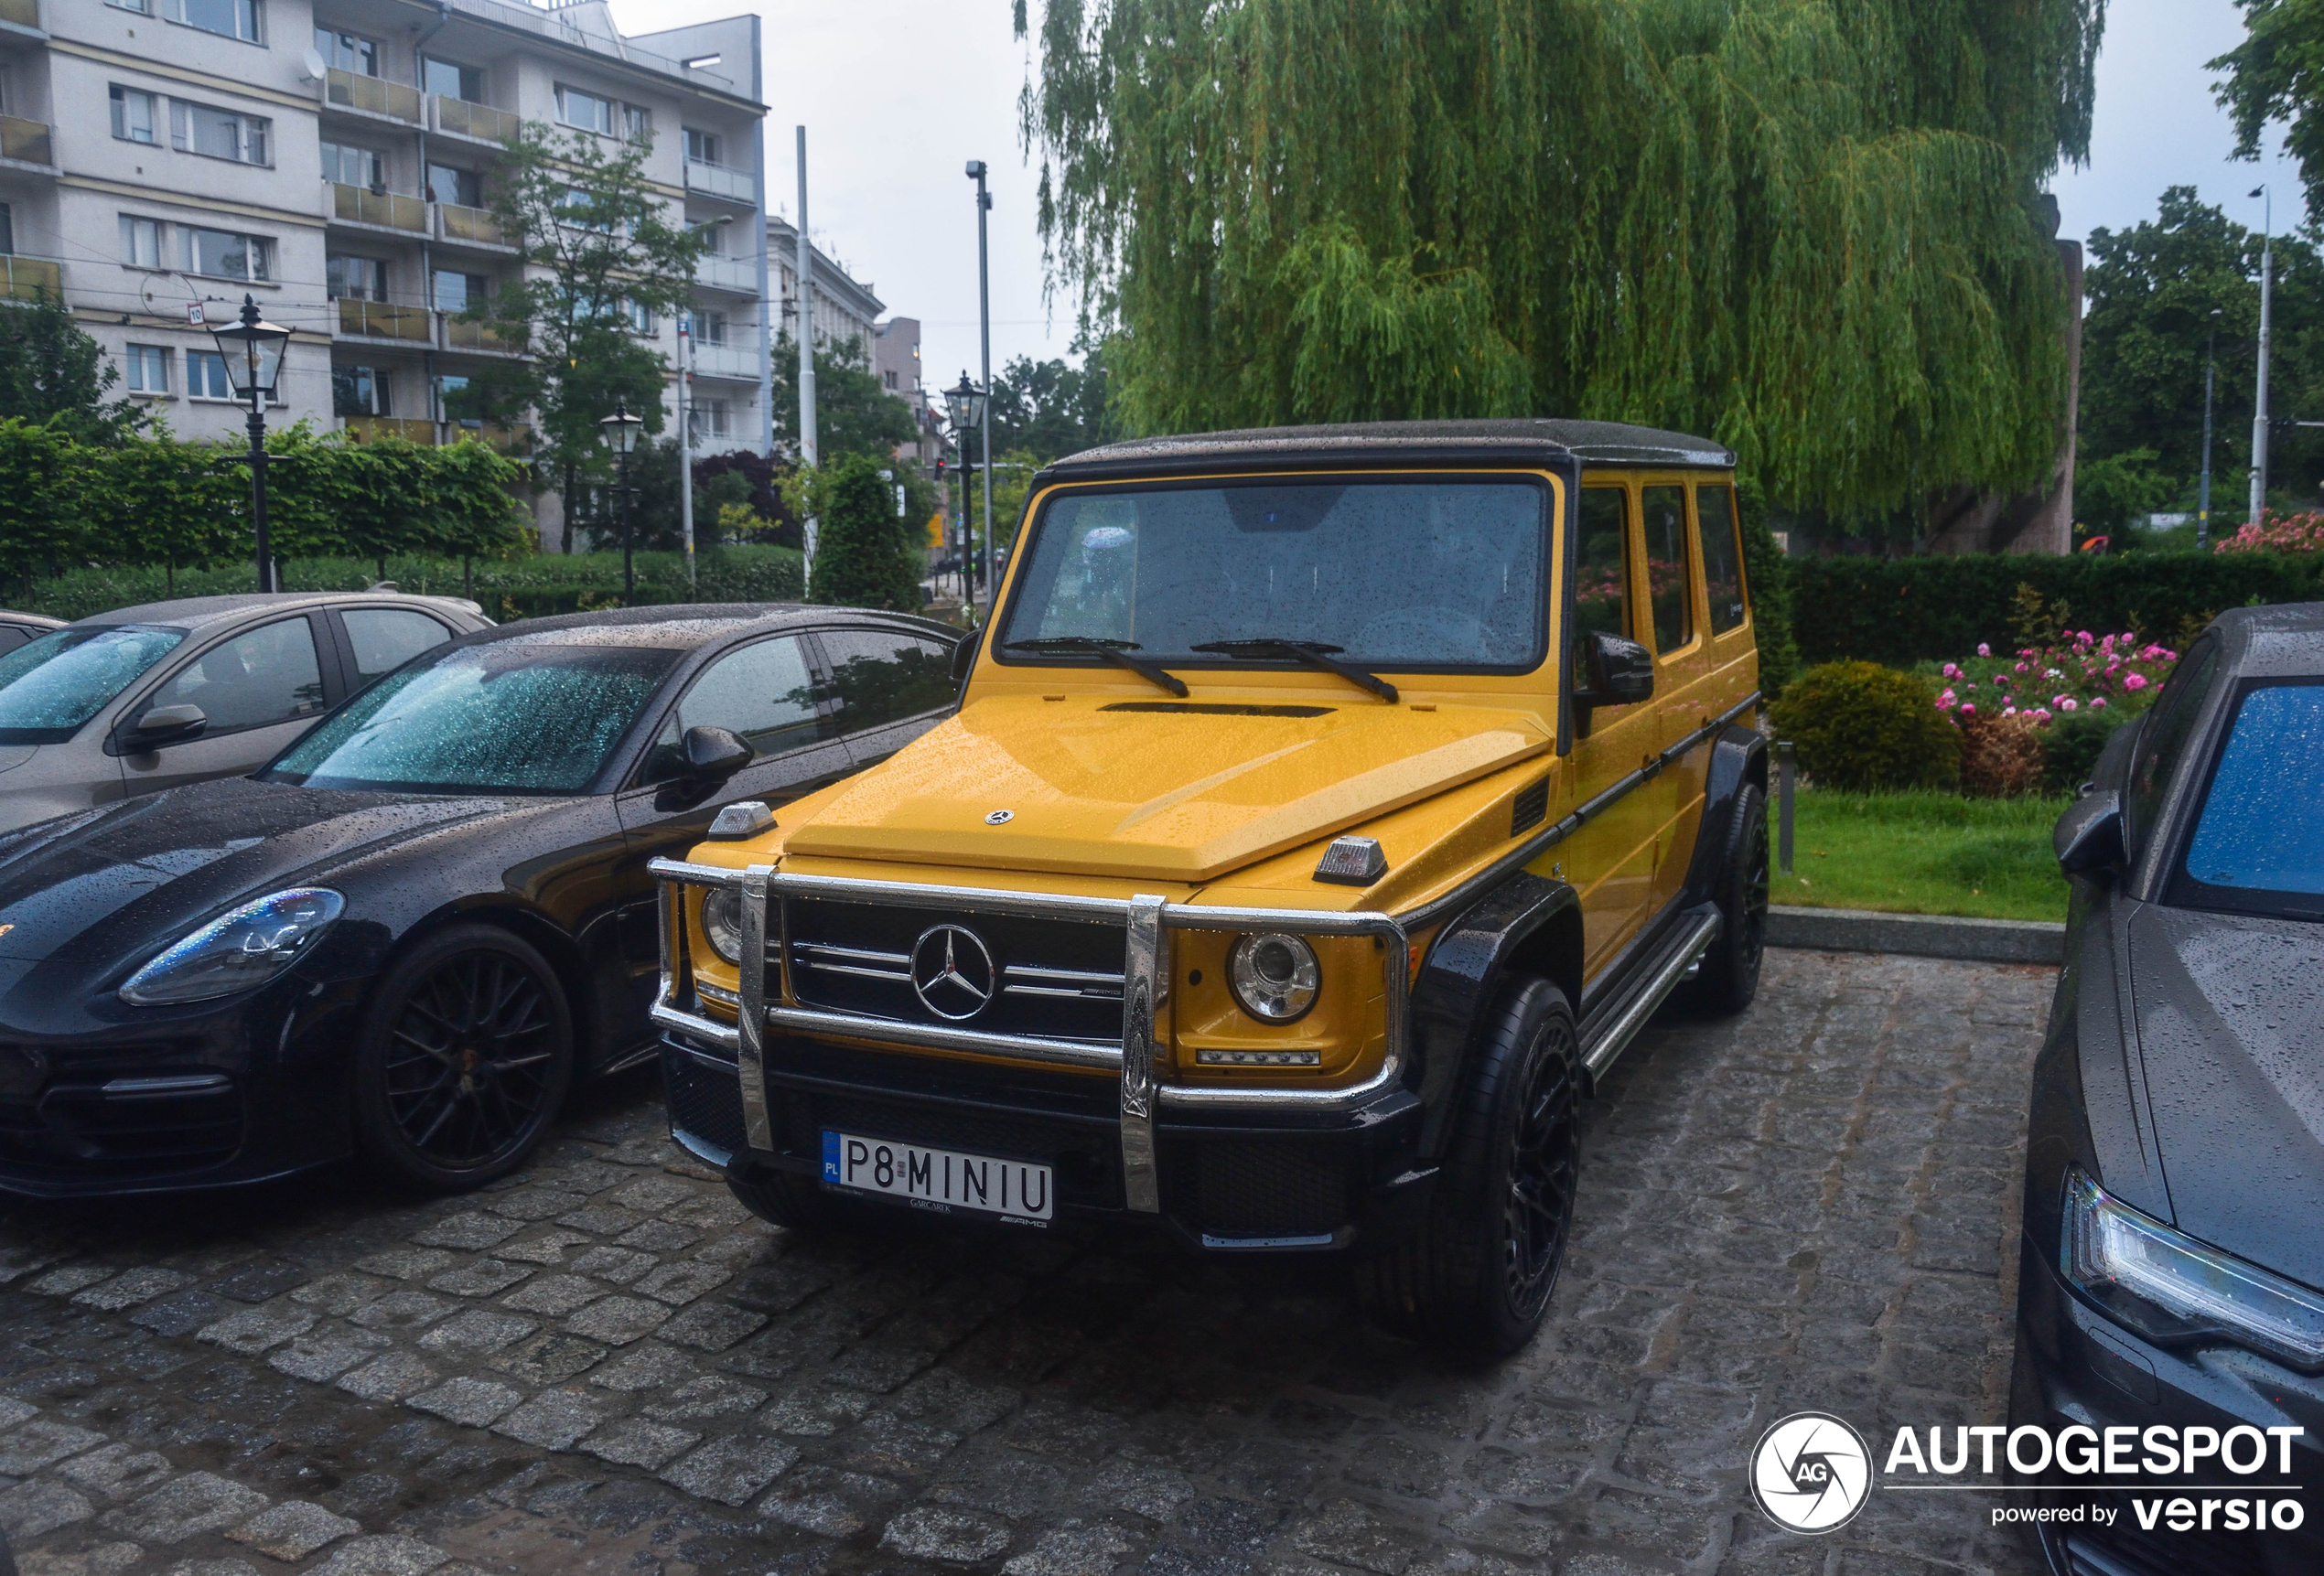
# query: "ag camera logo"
x,y
1811,1473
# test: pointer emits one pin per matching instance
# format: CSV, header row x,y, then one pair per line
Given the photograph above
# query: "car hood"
x,y
1168,790
101,883
2231,1011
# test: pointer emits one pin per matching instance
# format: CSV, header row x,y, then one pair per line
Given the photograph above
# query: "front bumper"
x,y
2076,1366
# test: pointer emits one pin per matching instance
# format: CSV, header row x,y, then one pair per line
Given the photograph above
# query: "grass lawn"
x,y
1923,852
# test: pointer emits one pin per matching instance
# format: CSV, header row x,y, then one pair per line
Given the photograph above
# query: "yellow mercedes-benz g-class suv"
x,y
1325,809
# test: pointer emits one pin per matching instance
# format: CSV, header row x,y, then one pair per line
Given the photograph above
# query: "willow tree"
x,y
1810,226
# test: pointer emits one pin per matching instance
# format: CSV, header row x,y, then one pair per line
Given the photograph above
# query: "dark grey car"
x,y
16,627
146,698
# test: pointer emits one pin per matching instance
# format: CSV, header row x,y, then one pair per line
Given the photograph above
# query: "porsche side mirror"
x,y
713,754
167,725
2089,838
963,658
1614,671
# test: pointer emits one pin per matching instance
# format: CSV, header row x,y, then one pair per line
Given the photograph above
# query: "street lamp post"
x,y
968,407
253,351
2267,327
621,431
985,337
2211,375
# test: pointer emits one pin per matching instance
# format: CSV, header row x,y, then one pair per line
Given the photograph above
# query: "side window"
x,y
387,637
269,675
1667,590
2162,739
764,692
11,637
1722,556
1601,568
882,676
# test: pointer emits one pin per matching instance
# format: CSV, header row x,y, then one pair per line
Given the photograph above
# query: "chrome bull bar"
x,y
1137,1060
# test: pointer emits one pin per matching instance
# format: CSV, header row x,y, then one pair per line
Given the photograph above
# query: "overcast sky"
x,y
896,95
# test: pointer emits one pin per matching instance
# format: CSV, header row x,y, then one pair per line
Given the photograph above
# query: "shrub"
x,y
2001,757
864,552
2272,533
1861,727
2071,746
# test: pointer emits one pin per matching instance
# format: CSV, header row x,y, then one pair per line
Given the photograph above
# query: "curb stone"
x,y
1921,935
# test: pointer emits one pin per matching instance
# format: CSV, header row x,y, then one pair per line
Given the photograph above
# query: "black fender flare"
x,y
1738,756
1529,923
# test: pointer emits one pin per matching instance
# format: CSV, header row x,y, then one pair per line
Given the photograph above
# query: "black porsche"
x,y
411,933
2170,1301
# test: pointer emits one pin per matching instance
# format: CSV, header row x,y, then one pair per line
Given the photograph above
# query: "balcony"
x,y
738,274
460,336
513,439
721,181
25,14
372,96
387,209
26,142
378,320
370,429
458,117
469,226
22,278
738,361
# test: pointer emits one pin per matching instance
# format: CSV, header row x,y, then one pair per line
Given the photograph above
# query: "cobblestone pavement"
x,y
605,1366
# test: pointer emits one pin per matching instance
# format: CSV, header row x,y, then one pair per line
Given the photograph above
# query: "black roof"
x,y
687,625
2285,641
1510,441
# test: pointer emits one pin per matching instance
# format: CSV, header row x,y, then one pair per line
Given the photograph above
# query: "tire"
x,y
1477,1275
1731,971
466,1057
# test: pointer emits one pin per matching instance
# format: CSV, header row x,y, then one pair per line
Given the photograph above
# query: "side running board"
x,y
1611,1026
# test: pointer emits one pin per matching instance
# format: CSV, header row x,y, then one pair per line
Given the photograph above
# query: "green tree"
x,y
52,371
160,501
2276,77
866,555
854,415
1809,227
1052,408
44,496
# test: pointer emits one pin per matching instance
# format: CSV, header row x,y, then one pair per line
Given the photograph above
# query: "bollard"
x,y
1785,772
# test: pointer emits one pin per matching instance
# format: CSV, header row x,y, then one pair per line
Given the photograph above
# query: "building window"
x,y
636,124
460,188
206,376
224,255
704,147
7,230
355,278
713,236
358,391
140,241
460,292
448,391
574,208
148,369
217,133
890,377
348,52
447,81
132,114
708,419
352,166
142,8
707,328
639,315
587,110
234,18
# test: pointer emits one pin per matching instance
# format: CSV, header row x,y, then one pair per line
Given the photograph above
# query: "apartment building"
x,y
895,360
332,158
845,308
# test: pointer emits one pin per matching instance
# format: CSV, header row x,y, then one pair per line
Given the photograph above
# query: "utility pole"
x,y
685,436
808,451
2210,376
2266,323
985,333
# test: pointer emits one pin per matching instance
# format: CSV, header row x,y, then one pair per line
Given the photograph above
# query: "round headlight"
x,y
722,922
1274,976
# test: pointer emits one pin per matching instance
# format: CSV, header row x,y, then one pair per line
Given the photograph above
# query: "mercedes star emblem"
x,y
952,973
1000,818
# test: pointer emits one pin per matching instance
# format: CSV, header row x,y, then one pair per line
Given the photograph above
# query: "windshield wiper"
x,y
1314,653
1114,651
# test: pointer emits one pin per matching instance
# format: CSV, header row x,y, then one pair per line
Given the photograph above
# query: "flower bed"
x,y
2043,681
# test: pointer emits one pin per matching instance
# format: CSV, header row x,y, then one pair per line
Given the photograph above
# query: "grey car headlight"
x,y
237,952
1275,976
722,923
2168,1287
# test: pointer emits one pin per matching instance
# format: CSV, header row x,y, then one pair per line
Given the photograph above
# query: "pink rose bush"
x,y
2081,670
2272,533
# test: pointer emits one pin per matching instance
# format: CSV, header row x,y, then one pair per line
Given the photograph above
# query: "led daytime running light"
x,y
236,951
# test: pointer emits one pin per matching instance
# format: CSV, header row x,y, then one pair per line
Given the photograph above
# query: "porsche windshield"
x,y
1395,575
509,716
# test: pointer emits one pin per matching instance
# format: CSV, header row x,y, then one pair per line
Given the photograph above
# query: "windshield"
x,y
512,716
49,686
1403,574
2259,836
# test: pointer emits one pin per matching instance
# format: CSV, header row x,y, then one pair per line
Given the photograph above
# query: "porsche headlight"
x,y
722,923
2168,1286
1274,976
237,952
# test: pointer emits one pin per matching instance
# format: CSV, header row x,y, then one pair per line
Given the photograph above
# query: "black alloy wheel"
x,y
1731,971
1543,1163
466,1057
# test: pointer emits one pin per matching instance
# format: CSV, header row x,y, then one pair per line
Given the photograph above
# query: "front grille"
x,y
705,1100
1054,978
1269,1190
1086,1161
125,1111
2119,1553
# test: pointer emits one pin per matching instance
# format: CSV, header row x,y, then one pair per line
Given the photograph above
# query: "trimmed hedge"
x,y
1900,611
1862,728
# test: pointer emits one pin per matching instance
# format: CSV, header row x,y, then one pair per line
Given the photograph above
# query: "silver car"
x,y
146,698
16,627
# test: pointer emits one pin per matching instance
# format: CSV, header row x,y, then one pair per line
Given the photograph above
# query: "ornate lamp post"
x,y
620,432
253,351
964,408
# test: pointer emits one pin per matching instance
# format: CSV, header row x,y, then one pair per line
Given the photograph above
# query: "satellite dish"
x,y
312,62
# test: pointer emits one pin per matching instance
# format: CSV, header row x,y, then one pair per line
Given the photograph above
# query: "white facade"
x,y
843,308
330,158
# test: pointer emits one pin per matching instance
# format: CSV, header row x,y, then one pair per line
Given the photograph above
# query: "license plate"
x,y
939,1178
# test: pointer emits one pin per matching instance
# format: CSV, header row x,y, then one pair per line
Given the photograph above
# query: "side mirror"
x,y
1614,671
713,754
2088,839
963,658
165,725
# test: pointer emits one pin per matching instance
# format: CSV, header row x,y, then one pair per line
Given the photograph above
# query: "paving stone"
x,y
535,1202
659,1237
130,1288
732,1470
478,1329
294,1529
678,1284
36,1445
475,1402
471,1231
819,1511
260,1281
954,1537
619,1265
388,1377
339,1296
116,1472
634,1442
652,1367
14,1411
31,1510
600,1219
96,1559
549,1358
254,1329
185,1508
703,1399
405,1310
652,1195
65,1282
181,1314
1072,1549
816,1410
618,1321
553,1419
382,1556
211,1567
1350,1534
321,1356
548,1248
481,1279
713,1326
556,1296
404,1263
